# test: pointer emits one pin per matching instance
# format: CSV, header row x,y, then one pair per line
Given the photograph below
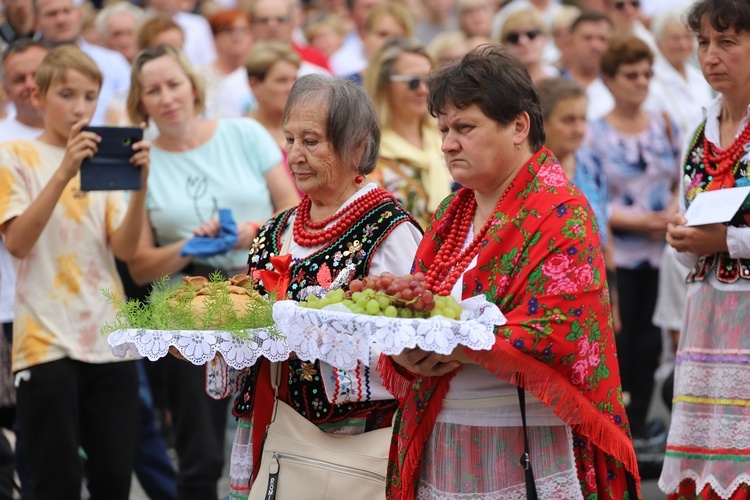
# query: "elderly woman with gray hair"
x,y
345,228
678,87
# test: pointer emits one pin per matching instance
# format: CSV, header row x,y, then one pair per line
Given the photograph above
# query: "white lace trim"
x,y
561,485
710,431
672,486
713,380
341,339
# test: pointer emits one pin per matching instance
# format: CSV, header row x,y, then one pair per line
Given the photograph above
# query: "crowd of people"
x,y
540,153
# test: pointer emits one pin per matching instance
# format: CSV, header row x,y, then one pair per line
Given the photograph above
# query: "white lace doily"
x,y
200,346
341,339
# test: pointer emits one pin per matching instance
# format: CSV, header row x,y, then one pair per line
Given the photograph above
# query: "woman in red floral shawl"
x,y
523,236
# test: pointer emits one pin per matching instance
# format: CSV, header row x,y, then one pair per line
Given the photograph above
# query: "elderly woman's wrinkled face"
x,y
316,168
676,44
477,149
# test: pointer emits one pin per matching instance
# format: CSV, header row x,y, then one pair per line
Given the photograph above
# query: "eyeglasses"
x,y
233,30
412,81
633,75
621,5
269,20
515,37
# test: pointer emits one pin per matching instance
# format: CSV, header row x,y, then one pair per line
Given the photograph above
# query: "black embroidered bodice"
x,y
697,179
338,263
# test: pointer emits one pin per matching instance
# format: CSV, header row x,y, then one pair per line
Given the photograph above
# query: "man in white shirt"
x,y
589,37
19,63
118,26
199,41
60,21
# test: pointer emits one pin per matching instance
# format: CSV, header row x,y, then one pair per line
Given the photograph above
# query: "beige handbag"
x,y
301,461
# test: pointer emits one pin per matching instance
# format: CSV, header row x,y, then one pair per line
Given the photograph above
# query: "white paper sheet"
x,y
710,207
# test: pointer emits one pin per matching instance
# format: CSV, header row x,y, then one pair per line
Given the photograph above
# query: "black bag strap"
x,y
531,493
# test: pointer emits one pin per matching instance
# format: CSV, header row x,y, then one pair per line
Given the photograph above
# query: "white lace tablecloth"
x,y
339,338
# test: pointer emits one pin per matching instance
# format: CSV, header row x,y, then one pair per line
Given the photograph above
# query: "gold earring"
x,y
518,147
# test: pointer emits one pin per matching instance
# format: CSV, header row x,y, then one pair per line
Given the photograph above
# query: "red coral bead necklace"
x,y
719,163
345,218
446,269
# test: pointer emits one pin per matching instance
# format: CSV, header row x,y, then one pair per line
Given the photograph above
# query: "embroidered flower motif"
x,y
308,371
353,248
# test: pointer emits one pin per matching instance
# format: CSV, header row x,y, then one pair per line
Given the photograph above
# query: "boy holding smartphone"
x,y
71,391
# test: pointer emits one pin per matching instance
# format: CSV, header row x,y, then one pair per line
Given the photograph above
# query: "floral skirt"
x,y
709,438
480,461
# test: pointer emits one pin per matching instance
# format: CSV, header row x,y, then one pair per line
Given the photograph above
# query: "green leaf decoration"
x,y
171,308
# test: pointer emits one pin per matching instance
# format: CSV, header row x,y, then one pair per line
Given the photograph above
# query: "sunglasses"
x,y
621,5
633,75
515,37
412,81
269,20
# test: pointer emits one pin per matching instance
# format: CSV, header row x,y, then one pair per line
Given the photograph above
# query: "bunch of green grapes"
x,y
391,296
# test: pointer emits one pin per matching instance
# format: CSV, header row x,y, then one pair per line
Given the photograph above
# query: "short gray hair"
x,y
351,121
661,21
118,8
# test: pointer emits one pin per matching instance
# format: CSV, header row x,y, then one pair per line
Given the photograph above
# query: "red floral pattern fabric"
x,y
541,262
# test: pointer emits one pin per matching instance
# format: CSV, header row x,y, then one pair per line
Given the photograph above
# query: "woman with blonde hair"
x,y
411,164
215,183
524,36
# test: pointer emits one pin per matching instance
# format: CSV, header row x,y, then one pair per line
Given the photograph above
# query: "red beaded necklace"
x,y
346,218
446,268
724,160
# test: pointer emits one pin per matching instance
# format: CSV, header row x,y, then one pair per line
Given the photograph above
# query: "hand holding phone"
x,y
115,165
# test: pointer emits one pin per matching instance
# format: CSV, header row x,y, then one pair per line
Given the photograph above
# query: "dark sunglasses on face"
x,y
412,81
515,37
621,5
269,20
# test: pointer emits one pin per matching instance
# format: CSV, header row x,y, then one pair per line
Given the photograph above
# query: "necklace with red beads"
x,y
446,268
345,218
719,163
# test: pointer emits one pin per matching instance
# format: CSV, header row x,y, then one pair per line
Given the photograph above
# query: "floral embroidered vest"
x,y
728,270
334,266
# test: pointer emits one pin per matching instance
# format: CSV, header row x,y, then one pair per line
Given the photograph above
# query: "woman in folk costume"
x,y
411,164
345,228
520,234
707,448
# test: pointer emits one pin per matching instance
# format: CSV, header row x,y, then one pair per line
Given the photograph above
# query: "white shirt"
x,y
10,130
116,71
199,41
738,238
682,99
227,96
350,58
601,101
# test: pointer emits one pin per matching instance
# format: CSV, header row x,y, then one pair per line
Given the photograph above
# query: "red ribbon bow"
x,y
277,281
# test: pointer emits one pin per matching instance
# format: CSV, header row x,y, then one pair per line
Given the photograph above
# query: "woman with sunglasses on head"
x,y
707,447
411,165
639,153
523,35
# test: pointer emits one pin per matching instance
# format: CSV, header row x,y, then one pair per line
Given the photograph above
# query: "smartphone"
x,y
110,169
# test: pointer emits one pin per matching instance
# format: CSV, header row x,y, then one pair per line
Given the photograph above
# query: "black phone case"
x,y
110,169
